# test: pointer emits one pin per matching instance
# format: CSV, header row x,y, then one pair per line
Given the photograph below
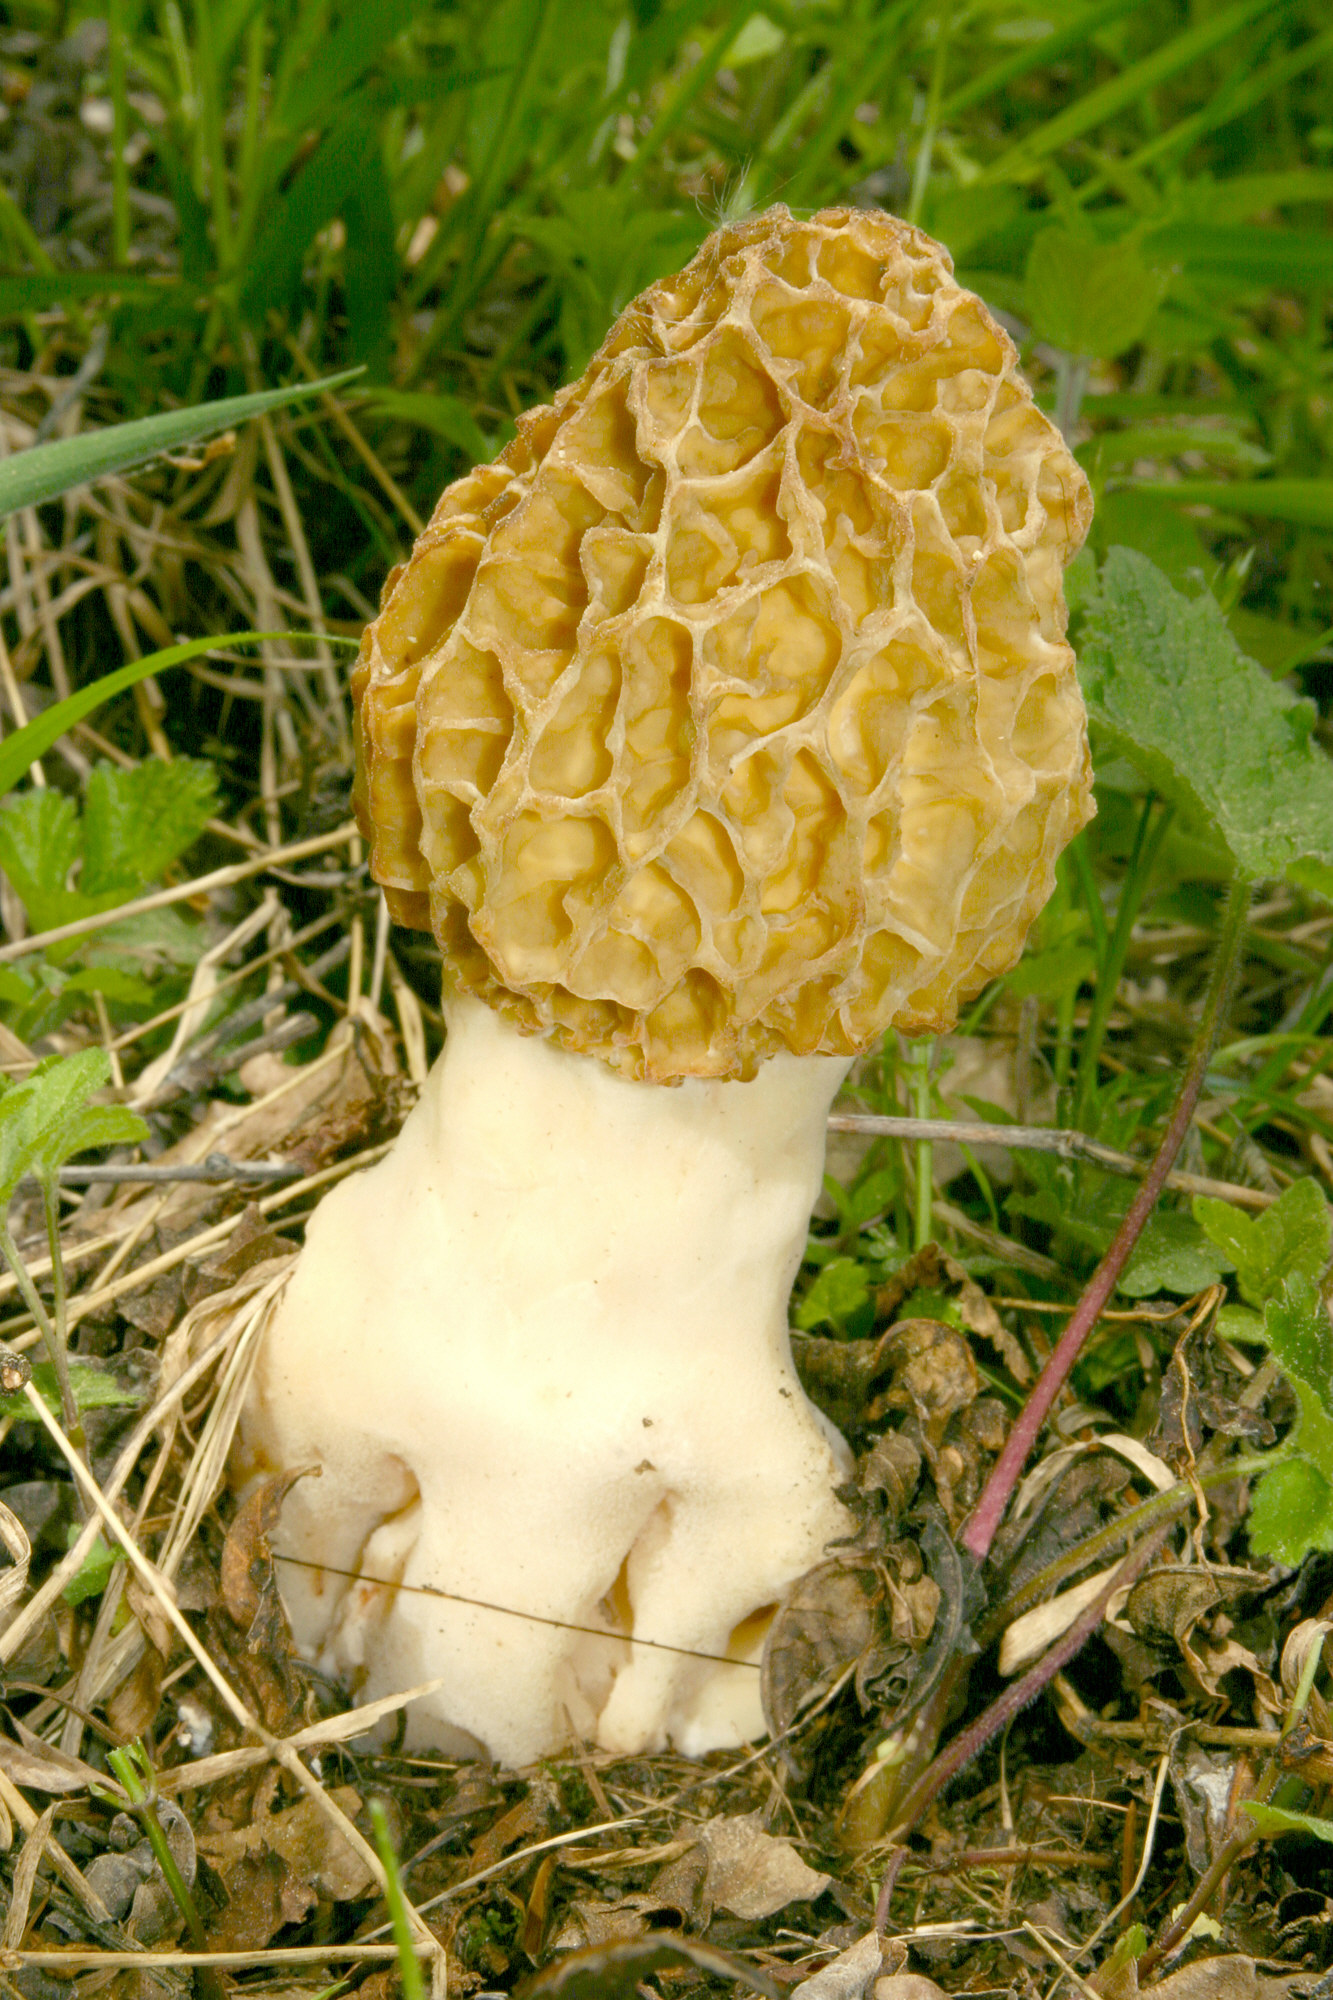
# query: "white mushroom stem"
x,y
540,1357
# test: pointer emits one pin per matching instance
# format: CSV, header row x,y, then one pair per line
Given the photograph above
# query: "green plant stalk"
x,y
409,1966
925,152
130,1766
702,74
981,1526
1138,874
58,1343
248,161
919,1054
210,122
1162,1507
120,178
32,1299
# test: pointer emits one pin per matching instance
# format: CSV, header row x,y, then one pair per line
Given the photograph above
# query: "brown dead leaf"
x,y
320,1858
933,1270
824,1624
262,1896
1230,1977
752,1873
133,1706
252,1606
849,1975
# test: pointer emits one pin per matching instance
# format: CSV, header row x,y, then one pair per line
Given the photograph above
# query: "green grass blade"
x,y
35,738
1131,86
37,291
1305,503
47,470
1035,55
344,58
1299,258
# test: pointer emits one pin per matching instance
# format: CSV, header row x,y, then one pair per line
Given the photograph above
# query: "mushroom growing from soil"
x,y
725,721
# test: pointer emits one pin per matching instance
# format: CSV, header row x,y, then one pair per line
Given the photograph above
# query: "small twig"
x,y
1066,1144
214,1170
183,892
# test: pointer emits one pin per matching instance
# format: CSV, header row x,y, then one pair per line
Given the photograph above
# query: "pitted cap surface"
x,y
730,710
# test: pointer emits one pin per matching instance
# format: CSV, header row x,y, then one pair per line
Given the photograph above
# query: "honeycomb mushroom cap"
x,y
730,710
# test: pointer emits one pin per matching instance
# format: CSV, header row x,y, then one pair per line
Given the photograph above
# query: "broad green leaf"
x,y
1089,298
1292,1238
62,1121
1293,259
137,821
1292,1513
15,990
45,471
94,1572
113,982
1131,518
1296,1327
93,1389
1240,1323
39,845
1210,731
838,1290
1049,975
1172,1255
1280,1819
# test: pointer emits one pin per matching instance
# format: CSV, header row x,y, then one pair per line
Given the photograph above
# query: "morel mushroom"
x,y
724,722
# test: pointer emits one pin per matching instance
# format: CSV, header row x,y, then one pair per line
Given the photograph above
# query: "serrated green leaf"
x,y
93,1389
47,1119
1172,1255
137,821
1294,1236
1210,731
1280,1819
45,471
1291,1513
1313,1435
838,1290
1089,298
1240,1323
1299,1336
39,845
113,982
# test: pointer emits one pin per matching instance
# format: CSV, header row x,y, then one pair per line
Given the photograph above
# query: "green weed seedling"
x,y
45,1121
65,864
1280,1257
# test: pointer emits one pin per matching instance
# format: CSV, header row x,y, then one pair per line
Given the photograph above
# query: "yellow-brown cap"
x,y
730,710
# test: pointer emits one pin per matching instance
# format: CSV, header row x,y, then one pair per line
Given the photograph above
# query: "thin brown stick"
x,y
183,892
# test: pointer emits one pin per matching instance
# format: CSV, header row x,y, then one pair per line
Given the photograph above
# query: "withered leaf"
x,y
933,1270
615,1972
752,1873
824,1623
311,1845
847,1976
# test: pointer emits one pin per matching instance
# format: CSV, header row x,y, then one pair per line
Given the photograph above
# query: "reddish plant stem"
x,y
1016,1698
980,1530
